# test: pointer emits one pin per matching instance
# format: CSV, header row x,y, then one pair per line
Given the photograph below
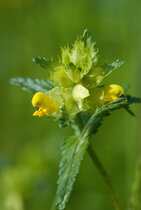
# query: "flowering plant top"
x,y
75,94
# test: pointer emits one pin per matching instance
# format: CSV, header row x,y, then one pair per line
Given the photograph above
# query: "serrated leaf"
x,y
109,68
43,62
96,120
101,112
73,150
32,85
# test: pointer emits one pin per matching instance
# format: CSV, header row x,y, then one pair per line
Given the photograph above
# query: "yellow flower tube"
x,y
44,104
111,92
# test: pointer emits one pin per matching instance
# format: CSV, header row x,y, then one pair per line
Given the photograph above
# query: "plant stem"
x,y
104,175
100,167
79,122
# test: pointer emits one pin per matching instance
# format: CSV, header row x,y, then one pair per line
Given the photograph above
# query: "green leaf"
x,y
132,99
32,85
43,62
127,108
73,150
109,68
96,120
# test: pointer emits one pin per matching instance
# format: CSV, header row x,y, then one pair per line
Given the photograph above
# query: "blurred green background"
x,y
30,146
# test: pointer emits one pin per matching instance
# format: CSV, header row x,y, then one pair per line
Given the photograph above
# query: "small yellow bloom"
x,y
44,105
79,92
111,92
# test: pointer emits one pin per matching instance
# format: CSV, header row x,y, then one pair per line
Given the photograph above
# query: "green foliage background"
x,y
29,146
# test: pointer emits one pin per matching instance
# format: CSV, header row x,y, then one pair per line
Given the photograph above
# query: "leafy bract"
x,y
109,68
95,121
32,85
43,62
73,150
80,59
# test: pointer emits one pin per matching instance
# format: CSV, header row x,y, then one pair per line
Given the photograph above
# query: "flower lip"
x,y
44,105
112,92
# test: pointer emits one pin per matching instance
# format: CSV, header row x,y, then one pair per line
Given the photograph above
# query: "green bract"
x,y
79,60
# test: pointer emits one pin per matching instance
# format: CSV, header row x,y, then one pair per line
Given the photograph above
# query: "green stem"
x,y
79,122
100,168
105,176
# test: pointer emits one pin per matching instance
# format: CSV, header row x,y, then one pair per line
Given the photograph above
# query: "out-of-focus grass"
x,y
29,151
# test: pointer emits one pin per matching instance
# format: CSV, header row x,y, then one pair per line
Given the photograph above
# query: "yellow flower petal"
x,y
41,112
111,92
45,104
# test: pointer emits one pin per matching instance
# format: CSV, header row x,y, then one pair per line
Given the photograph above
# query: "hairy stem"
x,y
105,176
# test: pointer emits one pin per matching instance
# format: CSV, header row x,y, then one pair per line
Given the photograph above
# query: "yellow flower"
x,y
44,104
79,93
111,92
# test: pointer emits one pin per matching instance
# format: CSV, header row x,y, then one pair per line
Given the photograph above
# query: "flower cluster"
x,y
77,78
75,93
